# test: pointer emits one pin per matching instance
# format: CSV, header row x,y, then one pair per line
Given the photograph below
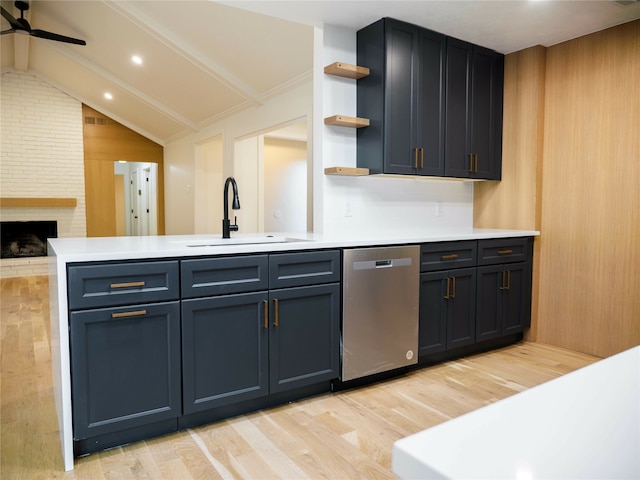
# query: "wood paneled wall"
x,y
587,184
105,143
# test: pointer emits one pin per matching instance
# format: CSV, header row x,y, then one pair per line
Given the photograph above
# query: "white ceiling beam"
x,y
187,51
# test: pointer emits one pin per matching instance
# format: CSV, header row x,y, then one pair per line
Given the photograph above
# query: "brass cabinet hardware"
x,y
415,158
471,163
129,314
266,313
449,257
276,311
453,288
508,280
476,163
127,285
504,252
422,158
502,282
446,295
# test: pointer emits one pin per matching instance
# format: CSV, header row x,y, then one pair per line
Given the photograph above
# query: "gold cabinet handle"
x,y
266,313
422,158
508,280
453,288
503,280
415,158
446,295
277,313
471,163
127,285
476,163
135,313
504,252
451,256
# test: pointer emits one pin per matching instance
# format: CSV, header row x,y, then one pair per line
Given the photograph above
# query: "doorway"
x,y
274,174
136,198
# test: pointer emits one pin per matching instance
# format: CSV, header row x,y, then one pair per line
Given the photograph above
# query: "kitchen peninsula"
x,y
97,283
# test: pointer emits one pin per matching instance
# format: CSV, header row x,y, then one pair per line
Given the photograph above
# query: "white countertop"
x,y
122,248
583,425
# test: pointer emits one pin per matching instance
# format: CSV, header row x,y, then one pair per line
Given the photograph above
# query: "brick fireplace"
x,y
41,162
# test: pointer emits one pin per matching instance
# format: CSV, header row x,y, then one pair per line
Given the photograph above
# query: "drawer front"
x,y
306,268
105,285
446,255
205,277
504,250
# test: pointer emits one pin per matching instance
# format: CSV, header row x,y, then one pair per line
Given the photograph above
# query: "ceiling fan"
x,y
21,25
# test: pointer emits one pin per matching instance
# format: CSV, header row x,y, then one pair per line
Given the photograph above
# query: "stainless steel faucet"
x,y
227,228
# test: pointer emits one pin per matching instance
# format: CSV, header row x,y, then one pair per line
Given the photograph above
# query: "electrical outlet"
x,y
347,209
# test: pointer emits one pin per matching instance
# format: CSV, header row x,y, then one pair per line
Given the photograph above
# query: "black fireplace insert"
x,y
26,239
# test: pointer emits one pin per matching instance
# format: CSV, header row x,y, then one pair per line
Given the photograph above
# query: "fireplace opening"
x,y
26,239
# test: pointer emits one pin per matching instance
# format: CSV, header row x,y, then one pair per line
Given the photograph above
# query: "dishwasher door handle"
x,y
388,263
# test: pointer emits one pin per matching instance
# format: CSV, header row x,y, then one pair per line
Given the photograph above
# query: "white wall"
x,y
41,156
180,155
375,204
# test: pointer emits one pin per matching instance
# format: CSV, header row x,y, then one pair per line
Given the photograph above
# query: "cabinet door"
x,y
516,313
489,304
473,136
486,113
461,308
400,97
125,367
304,336
224,350
429,101
458,107
433,313
503,306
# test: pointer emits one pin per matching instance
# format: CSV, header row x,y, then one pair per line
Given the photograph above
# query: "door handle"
x,y
276,312
126,285
453,288
446,295
266,313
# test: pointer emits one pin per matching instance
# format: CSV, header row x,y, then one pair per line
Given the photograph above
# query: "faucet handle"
x,y
234,227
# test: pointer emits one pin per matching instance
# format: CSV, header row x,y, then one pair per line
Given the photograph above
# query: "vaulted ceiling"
x,y
203,60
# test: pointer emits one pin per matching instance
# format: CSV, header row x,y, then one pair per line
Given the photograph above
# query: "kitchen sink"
x,y
249,240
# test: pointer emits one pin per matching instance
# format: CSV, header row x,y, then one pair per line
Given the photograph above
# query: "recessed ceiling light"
x,y
136,59
108,96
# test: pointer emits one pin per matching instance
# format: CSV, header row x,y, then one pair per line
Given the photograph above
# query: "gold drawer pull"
x,y
452,256
266,313
129,314
504,252
471,163
415,158
127,285
277,312
446,295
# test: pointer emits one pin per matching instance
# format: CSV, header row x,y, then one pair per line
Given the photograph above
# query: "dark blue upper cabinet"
x,y
403,98
434,103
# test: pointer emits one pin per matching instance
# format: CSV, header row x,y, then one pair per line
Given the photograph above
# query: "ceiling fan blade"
x,y
56,37
4,32
12,20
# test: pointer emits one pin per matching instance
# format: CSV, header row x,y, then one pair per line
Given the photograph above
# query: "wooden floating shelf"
x,y
344,121
37,202
347,171
346,70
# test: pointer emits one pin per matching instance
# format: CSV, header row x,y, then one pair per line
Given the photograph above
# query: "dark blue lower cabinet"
x,y
504,305
447,310
225,343
304,336
126,367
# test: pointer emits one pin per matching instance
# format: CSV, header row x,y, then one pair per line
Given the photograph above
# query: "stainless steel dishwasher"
x,y
380,310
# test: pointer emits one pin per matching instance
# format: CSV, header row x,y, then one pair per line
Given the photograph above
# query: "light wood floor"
x,y
346,435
